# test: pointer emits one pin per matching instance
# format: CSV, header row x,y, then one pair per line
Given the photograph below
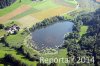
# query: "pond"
x,y
51,36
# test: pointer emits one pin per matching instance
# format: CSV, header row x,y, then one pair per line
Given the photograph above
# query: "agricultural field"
x,y
31,12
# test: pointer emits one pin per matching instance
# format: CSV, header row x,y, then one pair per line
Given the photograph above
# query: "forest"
x,y
88,45
5,3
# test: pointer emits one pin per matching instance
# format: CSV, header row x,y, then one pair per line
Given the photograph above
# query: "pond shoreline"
x,y
51,23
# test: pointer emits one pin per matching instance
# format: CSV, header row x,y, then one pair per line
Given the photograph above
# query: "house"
x,y
13,29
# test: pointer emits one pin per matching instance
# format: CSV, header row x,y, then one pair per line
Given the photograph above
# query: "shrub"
x,y
1,26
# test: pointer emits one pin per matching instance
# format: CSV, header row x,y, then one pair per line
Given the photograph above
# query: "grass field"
x,y
83,30
2,32
73,2
6,50
45,14
13,7
62,53
51,12
19,37
19,10
37,7
34,10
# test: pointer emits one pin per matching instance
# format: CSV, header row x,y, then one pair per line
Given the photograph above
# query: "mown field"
x,y
83,30
13,7
6,50
73,2
19,12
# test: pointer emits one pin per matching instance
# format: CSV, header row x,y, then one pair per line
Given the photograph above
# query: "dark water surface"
x,y
52,36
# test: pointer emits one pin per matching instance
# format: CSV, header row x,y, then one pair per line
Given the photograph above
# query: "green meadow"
x,y
73,2
37,7
5,50
83,30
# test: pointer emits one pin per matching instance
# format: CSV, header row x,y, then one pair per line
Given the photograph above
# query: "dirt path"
x,y
19,10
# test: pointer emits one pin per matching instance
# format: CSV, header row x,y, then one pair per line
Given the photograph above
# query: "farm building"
x,y
13,29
